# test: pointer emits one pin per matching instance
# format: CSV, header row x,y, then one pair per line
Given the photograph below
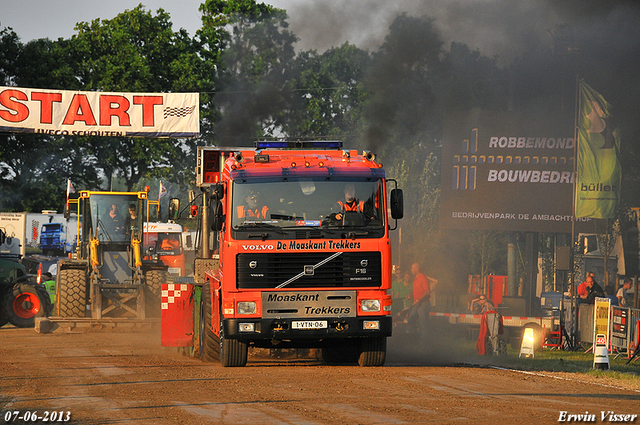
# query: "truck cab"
x,y
165,240
303,248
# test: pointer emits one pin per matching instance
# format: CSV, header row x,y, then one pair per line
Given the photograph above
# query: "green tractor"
x,y
109,275
21,298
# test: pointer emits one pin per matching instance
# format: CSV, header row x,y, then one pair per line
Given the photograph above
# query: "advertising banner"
x,y
620,329
510,171
80,113
599,172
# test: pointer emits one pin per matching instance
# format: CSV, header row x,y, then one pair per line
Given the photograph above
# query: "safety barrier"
x,y
624,327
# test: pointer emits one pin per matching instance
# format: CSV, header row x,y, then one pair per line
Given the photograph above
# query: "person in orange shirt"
x,y
169,243
583,288
350,203
419,314
252,209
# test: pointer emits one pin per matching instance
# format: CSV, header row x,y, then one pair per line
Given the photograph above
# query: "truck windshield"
x,y
308,202
164,243
116,217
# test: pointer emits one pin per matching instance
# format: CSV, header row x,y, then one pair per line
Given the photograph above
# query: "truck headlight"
x,y
370,305
246,307
371,325
246,327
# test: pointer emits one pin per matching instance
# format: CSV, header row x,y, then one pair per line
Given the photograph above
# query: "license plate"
x,y
309,324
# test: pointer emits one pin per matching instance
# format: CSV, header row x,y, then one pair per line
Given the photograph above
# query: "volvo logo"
x,y
364,263
253,264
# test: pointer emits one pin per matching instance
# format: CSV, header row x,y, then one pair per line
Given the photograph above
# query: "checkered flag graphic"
x,y
178,112
169,295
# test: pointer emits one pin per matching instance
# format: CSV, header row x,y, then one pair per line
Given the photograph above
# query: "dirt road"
x,y
114,378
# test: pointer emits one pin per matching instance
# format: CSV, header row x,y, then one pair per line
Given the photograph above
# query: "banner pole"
x,y
574,291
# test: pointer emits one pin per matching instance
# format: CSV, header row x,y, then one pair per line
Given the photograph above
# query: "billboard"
x,y
510,171
80,113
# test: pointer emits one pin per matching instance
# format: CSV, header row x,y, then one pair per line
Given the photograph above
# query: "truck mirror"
x,y
217,191
397,204
217,216
174,209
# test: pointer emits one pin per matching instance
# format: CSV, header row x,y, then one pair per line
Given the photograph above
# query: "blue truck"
x,y
59,237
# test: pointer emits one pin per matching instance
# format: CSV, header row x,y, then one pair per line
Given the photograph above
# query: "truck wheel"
x,y
154,280
233,352
209,344
24,303
72,293
373,351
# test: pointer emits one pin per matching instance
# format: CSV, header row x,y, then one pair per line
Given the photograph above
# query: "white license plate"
x,y
309,324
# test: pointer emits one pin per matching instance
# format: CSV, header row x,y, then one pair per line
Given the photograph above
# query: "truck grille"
x,y
347,270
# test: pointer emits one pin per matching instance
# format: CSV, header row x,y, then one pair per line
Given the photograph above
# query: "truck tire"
x,y
373,351
24,303
233,352
209,345
153,290
72,293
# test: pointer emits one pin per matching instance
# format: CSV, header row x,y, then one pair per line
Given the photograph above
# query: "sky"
x,y
320,24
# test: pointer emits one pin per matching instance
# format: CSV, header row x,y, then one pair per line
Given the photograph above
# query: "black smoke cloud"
x,y
502,28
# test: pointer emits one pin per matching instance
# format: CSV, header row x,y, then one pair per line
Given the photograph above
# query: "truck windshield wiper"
x,y
260,226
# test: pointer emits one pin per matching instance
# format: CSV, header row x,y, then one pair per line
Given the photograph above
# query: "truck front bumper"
x,y
283,329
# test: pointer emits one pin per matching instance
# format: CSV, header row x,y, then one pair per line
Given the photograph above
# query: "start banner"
x,y
80,113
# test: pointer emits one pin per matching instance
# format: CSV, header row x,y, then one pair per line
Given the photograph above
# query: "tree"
x,y
10,47
328,94
253,52
137,52
487,252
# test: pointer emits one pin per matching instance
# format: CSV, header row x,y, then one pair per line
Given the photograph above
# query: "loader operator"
x,y
113,221
132,219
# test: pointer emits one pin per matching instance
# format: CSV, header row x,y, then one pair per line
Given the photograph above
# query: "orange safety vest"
x,y
257,213
355,206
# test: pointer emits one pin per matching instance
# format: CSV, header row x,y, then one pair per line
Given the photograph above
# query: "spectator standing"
x,y
50,285
622,294
419,315
610,291
480,305
594,291
400,291
583,288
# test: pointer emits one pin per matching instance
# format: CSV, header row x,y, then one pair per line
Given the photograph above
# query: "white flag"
x,y
70,188
161,191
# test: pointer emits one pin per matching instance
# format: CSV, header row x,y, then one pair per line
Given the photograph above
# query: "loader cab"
x,y
113,219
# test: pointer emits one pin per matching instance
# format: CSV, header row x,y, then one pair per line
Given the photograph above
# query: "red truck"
x,y
299,255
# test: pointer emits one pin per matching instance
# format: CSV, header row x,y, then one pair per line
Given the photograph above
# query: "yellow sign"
x,y
601,317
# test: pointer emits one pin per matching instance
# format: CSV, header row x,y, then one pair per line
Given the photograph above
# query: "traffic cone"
x,y
601,353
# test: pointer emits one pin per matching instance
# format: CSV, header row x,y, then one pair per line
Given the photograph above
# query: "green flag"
x,y
599,175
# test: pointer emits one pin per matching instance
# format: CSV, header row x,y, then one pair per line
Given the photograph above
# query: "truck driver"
x,y
252,209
